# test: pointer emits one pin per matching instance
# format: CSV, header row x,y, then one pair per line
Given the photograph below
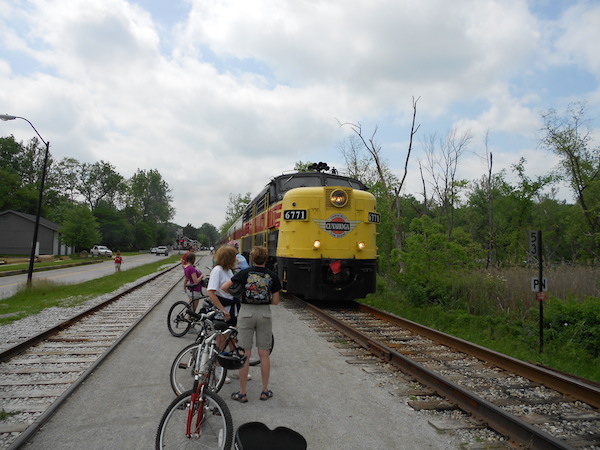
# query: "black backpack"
x,y
257,290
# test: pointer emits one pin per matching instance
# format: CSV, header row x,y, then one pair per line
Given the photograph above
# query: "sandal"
x,y
266,395
242,398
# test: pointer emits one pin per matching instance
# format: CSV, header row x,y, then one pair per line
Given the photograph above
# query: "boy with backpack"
x,y
261,289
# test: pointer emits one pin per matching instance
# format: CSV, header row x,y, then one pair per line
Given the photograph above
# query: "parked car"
x,y
101,250
153,250
162,250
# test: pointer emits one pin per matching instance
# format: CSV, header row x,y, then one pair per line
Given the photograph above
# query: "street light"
x,y
6,117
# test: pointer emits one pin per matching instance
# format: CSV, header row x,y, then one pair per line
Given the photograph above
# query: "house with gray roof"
x,y
16,234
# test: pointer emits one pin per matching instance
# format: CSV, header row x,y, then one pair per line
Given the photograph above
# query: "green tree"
x,y
151,196
63,177
190,231
99,182
303,166
20,174
568,135
148,209
116,232
80,228
210,232
235,208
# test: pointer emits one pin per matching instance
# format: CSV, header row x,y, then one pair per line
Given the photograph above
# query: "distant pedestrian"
x,y
261,289
118,261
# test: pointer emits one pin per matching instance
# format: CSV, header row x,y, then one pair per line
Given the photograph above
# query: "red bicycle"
x,y
200,417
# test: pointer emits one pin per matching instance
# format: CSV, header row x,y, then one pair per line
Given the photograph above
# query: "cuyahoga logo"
x,y
337,225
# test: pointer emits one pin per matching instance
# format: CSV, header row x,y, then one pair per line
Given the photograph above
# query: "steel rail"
x,y
577,388
24,345
507,424
22,439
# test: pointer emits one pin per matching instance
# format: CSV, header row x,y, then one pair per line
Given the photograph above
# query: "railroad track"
x,y
526,405
40,372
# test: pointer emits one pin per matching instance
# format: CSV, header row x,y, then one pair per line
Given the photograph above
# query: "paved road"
x,y
9,285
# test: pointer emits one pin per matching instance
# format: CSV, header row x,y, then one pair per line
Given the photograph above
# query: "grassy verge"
x,y
58,262
569,329
46,294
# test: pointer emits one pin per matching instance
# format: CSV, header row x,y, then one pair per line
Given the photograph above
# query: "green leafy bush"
x,y
574,323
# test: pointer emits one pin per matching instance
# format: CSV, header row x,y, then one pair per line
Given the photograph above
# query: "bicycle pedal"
x,y
182,366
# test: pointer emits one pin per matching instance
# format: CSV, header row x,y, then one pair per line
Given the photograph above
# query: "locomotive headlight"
x,y
361,245
338,198
316,245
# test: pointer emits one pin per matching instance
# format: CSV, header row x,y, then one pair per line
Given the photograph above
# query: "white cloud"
x,y
235,92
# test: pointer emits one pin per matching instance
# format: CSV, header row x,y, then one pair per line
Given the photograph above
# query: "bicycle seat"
x,y
257,436
191,286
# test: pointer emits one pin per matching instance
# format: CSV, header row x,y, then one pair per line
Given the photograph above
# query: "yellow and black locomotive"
x,y
320,230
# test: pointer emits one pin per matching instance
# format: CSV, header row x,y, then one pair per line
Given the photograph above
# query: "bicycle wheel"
x,y
216,427
176,320
256,360
184,367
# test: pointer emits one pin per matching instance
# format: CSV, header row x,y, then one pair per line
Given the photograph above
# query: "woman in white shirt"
x,y
225,260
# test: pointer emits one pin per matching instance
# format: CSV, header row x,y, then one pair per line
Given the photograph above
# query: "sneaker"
x,y
227,380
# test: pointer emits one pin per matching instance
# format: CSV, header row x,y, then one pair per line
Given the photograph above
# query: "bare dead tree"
x,y
443,167
424,188
392,191
491,256
358,164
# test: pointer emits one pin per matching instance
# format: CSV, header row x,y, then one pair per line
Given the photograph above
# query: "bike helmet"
x,y
233,360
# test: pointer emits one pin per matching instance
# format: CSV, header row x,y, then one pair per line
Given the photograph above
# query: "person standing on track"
x,y
262,288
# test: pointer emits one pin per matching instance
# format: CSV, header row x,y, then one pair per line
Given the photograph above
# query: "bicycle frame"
x,y
194,399
201,378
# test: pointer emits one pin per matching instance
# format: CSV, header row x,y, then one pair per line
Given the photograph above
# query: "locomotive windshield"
x,y
316,179
345,182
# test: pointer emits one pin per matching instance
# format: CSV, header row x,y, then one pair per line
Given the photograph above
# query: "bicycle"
x,y
188,359
205,414
181,316
184,366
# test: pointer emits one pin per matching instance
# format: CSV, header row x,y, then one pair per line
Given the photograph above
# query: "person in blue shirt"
x,y
241,262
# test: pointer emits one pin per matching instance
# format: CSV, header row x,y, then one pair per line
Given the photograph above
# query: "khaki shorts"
x,y
255,319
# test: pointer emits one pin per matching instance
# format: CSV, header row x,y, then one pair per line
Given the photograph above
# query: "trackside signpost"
x,y
538,285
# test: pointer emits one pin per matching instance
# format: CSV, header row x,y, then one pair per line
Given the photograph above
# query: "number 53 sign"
x,y
534,243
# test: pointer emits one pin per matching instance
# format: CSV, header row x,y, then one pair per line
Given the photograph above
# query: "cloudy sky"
x,y
220,95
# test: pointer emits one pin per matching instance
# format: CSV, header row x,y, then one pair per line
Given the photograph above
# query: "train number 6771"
x,y
295,214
